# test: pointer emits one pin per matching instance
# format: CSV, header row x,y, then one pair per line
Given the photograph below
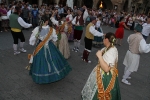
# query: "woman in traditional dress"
x,y
102,83
69,19
120,31
47,63
64,29
130,22
98,41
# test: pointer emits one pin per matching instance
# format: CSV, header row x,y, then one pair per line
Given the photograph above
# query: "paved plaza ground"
x,y
16,84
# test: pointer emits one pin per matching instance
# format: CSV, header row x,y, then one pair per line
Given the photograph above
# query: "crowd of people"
x,y
55,25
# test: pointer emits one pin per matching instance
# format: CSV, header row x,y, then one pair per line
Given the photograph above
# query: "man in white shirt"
x,y
16,24
146,29
78,22
89,37
137,45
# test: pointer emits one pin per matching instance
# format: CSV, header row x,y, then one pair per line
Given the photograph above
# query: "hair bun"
x,y
113,40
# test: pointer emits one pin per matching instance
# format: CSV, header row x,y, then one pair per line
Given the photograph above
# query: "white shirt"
x,y
146,29
55,22
70,17
13,9
144,47
59,11
85,15
95,32
62,10
20,21
142,19
98,24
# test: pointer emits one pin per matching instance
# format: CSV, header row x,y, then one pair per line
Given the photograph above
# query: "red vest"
x,y
81,21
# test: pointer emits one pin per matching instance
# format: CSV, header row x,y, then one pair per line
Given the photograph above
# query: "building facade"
x,y
136,6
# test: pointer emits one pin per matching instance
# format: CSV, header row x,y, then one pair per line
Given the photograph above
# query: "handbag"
x,y
4,17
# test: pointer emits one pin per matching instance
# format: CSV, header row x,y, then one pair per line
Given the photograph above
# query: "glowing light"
x,y
101,5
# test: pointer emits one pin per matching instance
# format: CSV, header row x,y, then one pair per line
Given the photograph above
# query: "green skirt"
x,y
49,65
90,90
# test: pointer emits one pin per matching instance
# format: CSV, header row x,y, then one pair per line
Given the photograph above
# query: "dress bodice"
x,y
121,25
43,32
42,35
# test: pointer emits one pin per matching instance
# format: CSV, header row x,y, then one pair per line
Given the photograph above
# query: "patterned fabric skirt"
x,y
98,40
90,90
49,65
5,23
70,36
63,46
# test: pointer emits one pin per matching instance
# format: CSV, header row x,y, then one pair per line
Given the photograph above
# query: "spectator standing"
x,y
5,21
35,17
59,12
25,13
0,21
65,10
75,11
112,20
62,10
41,12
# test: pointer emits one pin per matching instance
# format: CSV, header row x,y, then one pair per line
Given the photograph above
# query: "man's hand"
x,y
76,25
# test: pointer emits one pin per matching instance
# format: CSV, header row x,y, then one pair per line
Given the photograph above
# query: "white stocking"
x,y
75,43
21,44
125,69
78,43
126,75
15,47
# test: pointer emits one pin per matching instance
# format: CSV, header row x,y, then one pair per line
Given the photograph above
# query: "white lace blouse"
x,y
111,56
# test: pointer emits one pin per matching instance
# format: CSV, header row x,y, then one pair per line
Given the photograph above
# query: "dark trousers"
x,y
88,43
18,35
78,34
145,37
35,22
61,15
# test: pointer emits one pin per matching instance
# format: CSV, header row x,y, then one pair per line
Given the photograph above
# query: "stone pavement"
x,y
16,84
